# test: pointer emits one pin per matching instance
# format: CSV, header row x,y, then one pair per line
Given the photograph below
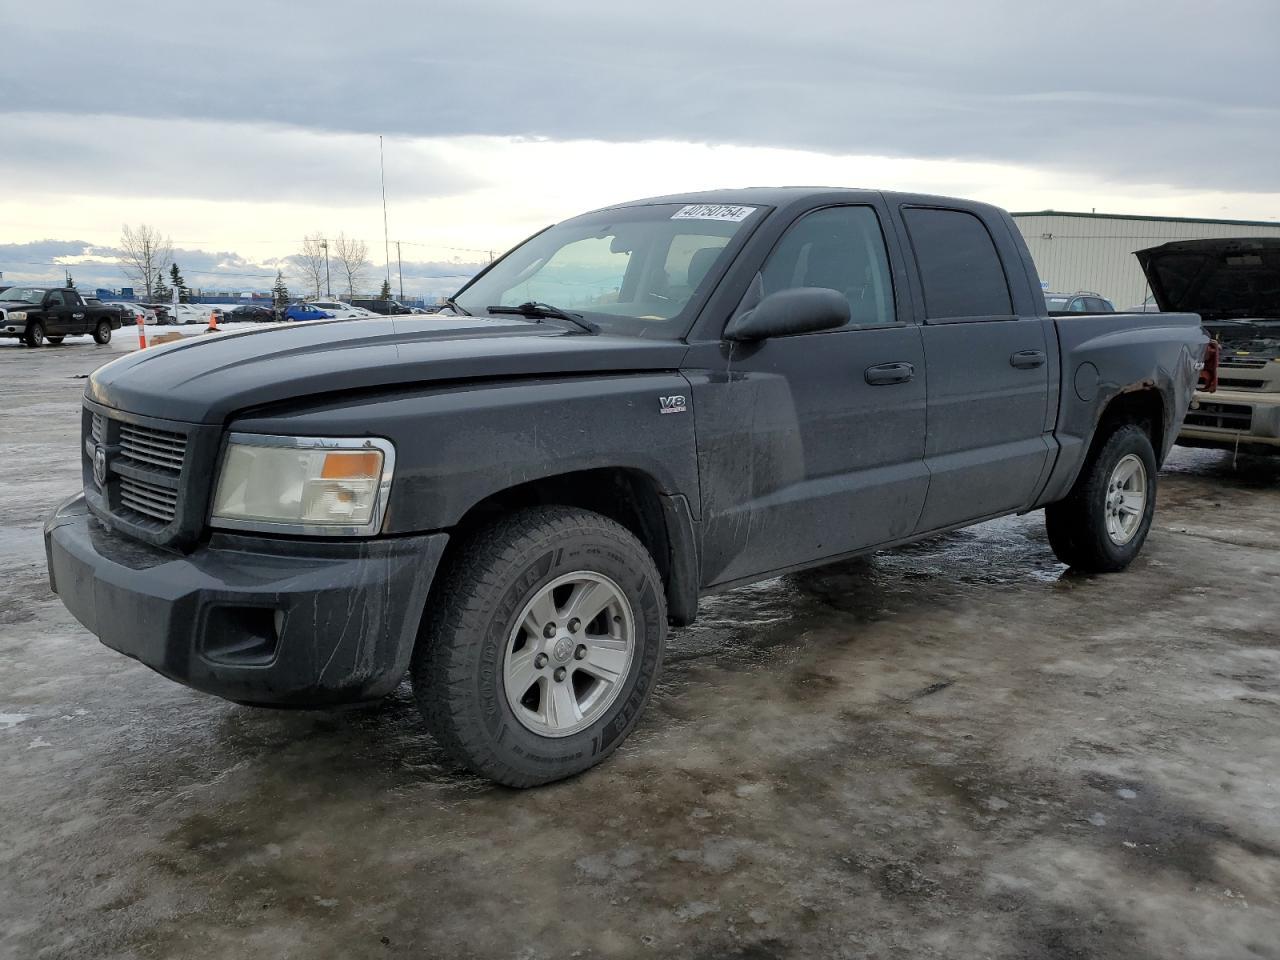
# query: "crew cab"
x,y
1234,285
37,315
632,409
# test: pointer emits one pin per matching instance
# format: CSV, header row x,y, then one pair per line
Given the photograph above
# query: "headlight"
x,y
311,485
17,314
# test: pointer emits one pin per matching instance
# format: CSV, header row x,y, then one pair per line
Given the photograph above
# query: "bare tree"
x,y
313,263
353,258
145,254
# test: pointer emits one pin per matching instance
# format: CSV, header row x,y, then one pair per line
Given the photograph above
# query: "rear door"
x,y
812,446
77,313
986,445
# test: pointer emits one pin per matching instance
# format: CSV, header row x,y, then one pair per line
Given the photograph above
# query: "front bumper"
x,y
1233,419
253,619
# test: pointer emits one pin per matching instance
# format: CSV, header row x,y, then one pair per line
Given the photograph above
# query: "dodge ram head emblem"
x,y
673,404
100,466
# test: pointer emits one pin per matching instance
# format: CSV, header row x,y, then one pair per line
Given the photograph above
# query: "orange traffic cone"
x,y
213,322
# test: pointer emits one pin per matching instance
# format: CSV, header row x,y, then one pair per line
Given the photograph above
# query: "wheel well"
x,y
1144,406
629,497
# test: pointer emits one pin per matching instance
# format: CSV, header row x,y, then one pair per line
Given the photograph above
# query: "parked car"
x,y
37,315
251,313
305,311
342,311
131,311
1234,285
512,503
382,307
190,313
1082,301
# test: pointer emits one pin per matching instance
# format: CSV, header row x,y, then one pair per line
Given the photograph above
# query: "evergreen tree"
x,y
177,283
385,292
280,292
161,291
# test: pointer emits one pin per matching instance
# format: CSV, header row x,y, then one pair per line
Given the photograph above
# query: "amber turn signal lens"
x,y
351,465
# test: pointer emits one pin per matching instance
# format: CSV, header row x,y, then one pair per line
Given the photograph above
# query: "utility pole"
x,y
400,269
386,243
328,290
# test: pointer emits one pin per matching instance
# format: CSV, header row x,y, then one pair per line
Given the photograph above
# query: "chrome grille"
x,y
149,499
156,448
1249,363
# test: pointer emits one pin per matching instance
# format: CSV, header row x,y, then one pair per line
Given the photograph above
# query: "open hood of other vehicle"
x,y
1218,279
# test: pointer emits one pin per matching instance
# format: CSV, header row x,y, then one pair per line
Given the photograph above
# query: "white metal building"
x,y
1094,251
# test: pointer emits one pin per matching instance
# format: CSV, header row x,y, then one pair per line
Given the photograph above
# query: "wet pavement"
x,y
959,749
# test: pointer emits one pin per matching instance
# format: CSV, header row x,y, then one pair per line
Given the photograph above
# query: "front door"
x,y
57,315
812,446
988,443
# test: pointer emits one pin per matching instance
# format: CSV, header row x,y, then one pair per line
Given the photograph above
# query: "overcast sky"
x,y
237,127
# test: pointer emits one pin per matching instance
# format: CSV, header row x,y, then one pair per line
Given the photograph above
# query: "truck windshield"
x,y
29,294
632,270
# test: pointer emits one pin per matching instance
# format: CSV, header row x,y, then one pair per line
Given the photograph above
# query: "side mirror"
x,y
789,312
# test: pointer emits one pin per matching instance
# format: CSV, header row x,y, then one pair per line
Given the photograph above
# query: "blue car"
x,y
305,311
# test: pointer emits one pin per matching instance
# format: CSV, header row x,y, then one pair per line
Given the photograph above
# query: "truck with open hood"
x,y
1234,285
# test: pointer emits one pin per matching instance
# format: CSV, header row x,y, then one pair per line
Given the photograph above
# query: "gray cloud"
x,y
145,157
1173,91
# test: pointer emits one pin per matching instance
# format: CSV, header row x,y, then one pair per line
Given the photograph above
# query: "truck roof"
x,y
799,195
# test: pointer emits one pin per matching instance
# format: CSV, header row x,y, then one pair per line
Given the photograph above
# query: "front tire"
x,y
1102,524
102,332
34,335
541,645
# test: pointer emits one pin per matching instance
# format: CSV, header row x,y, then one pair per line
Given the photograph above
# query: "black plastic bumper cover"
x,y
252,619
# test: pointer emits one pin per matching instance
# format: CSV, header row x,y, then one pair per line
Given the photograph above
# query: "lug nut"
x,y
540,661
549,630
575,625
581,652
559,674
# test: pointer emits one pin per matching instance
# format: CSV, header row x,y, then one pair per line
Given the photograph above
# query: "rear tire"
x,y
102,332
34,335
1102,524
509,681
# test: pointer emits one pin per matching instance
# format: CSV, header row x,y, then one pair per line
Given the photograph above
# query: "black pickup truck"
x,y
39,314
632,409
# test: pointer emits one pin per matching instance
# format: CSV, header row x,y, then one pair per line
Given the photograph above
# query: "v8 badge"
x,y
672,404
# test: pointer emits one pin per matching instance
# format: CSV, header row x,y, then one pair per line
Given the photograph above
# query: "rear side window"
x,y
959,266
842,249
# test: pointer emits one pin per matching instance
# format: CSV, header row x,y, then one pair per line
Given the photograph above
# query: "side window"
x,y
959,266
1097,305
842,249
1078,306
55,298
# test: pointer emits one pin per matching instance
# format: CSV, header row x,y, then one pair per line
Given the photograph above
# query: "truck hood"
x,y
1218,279
206,379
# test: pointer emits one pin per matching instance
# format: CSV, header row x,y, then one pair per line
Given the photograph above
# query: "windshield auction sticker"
x,y
713,211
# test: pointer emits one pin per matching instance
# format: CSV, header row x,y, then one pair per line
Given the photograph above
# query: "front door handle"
x,y
883,374
1027,359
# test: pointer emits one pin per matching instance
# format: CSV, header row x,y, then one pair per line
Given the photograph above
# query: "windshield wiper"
x,y
536,310
450,302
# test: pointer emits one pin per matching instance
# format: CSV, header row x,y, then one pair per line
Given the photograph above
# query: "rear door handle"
x,y
1027,359
883,374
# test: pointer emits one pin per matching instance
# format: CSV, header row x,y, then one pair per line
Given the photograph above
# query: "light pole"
x,y
400,270
328,290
